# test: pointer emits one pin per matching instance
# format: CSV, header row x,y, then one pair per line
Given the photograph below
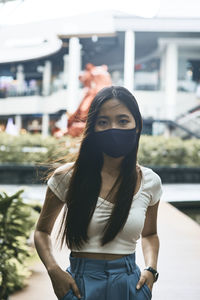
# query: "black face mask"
x,y
116,142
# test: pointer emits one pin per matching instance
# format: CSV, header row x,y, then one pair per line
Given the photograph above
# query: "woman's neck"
x,y
111,164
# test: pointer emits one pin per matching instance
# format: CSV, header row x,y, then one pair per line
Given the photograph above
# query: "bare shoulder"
x,y
138,168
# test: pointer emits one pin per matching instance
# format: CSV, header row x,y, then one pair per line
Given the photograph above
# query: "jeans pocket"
x,y
80,284
144,291
65,297
148,290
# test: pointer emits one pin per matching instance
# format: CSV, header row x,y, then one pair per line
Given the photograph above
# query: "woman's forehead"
x,y
113,106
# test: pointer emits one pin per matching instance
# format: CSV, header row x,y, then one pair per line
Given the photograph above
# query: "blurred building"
x,y
158,59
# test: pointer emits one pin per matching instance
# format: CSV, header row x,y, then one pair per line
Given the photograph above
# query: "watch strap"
x,y
153,271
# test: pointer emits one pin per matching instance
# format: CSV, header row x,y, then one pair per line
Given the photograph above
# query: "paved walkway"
x,y
178,264
179,192
172,192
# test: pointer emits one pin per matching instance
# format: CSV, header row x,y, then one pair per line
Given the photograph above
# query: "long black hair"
x,y
85,183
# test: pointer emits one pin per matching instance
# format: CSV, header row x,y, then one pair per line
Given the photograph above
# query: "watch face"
x,y
156,276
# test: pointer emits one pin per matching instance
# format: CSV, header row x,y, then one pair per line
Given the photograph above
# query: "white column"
x,y
20,79
129,60
163,70
66,70
79,62
74,71
171,80
46,80
18,122
45,124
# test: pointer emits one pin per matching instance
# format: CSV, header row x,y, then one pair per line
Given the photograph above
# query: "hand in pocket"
x,y
62,283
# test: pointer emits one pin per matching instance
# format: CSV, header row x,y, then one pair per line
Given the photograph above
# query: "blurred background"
x,y
54,57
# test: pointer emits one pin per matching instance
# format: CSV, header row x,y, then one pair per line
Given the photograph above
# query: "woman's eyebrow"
x,y
118,116
103,117
123,115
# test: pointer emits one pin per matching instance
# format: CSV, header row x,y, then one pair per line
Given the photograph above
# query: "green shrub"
x,y
16,223
154,150
34,148
161,151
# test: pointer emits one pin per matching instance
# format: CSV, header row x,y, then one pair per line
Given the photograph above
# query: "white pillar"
x,y
45,124
79,62
20,79
18,122
163,70
46,80
74,71
129,60
66,70
171,78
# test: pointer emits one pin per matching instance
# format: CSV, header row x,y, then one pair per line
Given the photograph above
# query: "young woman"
x,y
110,200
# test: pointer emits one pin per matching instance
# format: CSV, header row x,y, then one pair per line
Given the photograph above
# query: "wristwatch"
x,y
154,272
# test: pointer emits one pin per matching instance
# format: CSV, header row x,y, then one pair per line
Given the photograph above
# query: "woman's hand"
x,y
146,277
62,282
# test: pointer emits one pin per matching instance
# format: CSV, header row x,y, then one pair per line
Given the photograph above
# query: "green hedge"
x,y
153,150
161,151
34,148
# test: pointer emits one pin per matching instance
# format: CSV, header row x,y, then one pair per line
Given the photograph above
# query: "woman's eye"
x,y
124,121
101,123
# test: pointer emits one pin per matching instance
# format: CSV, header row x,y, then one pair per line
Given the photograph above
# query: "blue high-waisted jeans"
x,y
107,279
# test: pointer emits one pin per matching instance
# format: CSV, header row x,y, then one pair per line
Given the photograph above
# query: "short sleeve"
x,y
156,189
59,181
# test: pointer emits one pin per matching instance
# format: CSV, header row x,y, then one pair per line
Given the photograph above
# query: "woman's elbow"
x,y
40,235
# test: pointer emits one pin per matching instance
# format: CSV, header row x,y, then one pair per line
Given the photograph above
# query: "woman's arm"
x,y
150,245
150,240
51,208
62,281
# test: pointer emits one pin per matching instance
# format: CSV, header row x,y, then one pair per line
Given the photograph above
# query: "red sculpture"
x,y
94,78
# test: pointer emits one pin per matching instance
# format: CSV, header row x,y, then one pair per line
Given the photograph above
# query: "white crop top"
x,y
125,241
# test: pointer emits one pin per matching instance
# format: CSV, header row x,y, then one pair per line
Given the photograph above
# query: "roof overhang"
x,y
36,40
15,49
123,23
